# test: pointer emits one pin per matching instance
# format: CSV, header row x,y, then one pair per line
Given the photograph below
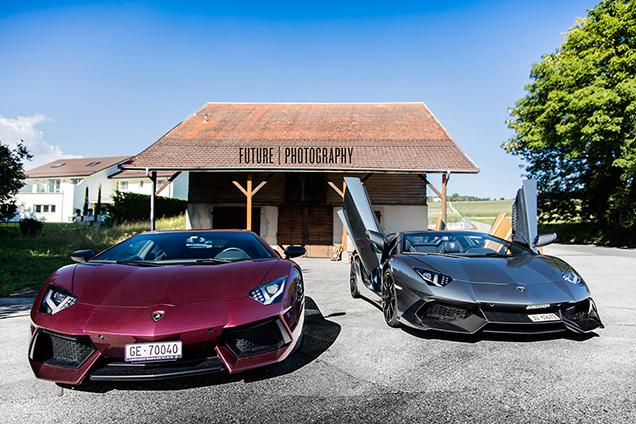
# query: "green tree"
x,y
86,205
576,126
11,177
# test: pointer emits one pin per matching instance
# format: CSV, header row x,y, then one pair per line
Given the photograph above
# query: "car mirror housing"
x,y
544,239
294,251
81,256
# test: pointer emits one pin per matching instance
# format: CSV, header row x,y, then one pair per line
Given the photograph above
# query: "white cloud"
x,y
23,128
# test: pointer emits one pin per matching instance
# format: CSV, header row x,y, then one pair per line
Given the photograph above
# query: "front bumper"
x,y
470,318
70,359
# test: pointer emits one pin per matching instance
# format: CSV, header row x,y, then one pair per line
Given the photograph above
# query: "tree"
x,y
576,127
86,205
11,177
98,205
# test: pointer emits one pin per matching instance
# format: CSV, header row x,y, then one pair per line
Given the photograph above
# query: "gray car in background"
x,y
462,281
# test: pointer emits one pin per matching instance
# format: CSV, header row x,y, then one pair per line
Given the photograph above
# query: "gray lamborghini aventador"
x,y
462,281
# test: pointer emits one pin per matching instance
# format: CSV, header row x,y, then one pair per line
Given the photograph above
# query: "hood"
x,y
134,286
499,279
524,269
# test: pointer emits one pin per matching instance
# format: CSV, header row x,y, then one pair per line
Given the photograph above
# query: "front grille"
x,y
61,351
439,312
255,339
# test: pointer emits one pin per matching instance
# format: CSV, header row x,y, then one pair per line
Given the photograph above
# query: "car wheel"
x,y
389,300
353,284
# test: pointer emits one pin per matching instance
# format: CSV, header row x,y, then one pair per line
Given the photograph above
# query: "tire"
x,y
389,300
353,285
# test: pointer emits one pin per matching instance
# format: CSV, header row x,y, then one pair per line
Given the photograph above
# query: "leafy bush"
x,y
591,233
30,226
134,207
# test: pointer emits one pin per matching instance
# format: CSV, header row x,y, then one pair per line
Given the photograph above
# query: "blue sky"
x,y
97,79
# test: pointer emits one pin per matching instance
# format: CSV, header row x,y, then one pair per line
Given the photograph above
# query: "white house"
x,y
55,191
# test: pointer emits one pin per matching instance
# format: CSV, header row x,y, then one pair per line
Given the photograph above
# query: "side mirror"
x,y
544,239
294,251
81,256
376,238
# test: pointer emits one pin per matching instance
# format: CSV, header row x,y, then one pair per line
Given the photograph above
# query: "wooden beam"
x,y
332,185
249,195
445,178
265,181
167,183
423,177
153,180
345,236
240,187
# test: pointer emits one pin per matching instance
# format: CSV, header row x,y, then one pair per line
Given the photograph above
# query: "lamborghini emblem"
x,y
157,315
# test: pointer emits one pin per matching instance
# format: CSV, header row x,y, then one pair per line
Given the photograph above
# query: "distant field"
x,y
485,208
486,211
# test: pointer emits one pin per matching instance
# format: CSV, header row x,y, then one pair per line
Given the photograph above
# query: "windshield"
x,y
461,243
187,246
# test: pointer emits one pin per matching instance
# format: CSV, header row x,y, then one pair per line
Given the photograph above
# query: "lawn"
x,y
26,262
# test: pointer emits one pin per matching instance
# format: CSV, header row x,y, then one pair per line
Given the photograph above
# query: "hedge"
x,y
134,207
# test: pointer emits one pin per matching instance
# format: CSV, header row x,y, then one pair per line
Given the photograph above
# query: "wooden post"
x,y
445,178
153,179
249,201
344,229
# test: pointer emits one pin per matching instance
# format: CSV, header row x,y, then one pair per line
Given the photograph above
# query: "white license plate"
x,y
544,317
157,351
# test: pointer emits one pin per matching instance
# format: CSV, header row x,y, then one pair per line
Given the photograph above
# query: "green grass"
x,y
26,262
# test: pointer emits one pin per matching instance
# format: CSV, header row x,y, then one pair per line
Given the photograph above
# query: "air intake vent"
x,y
255,339
61,351
438,312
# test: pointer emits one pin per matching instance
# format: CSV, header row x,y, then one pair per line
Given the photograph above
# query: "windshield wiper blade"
x,y
213,260
137,263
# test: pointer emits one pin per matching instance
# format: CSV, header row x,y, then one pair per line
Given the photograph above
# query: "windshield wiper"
x,y
137,263
216,261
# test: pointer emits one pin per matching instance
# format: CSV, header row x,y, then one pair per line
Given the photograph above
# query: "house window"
x,y
93,163
141,183
160,183
44,208
53,186
123,185
76,181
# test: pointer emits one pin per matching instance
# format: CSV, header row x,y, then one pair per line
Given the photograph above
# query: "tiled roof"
x,y
364,137
82,167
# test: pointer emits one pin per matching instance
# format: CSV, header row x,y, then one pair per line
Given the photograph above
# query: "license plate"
x,y
157,351
544,317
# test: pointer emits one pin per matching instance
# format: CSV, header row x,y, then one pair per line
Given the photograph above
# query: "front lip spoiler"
x,y
122,371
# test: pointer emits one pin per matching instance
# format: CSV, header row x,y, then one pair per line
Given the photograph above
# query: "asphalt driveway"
x,y
354,368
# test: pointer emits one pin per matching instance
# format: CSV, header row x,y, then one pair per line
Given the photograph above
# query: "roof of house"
x,y
393,137
82,167
130,174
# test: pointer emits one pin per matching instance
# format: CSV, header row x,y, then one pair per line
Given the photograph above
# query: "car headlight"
x,y
56,299
269,293
572,277
434,278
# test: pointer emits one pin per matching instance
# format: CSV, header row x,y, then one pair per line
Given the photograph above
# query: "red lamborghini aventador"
x,y
167,304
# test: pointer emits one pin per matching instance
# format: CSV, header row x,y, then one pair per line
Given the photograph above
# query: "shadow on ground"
x,y
14,310
319,335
